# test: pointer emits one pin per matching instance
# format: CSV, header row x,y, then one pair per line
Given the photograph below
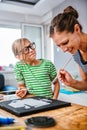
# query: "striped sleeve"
x,y
52,71
18,74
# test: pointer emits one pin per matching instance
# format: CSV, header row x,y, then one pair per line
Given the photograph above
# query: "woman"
x,y
34,75
66,32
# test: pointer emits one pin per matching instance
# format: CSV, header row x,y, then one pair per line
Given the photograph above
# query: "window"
x,y
7,36
9,33
35,34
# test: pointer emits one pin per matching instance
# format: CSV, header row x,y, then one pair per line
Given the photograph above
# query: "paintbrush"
x,y
65,65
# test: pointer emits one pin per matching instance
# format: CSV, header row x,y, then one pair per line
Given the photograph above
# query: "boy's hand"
x,y
21,92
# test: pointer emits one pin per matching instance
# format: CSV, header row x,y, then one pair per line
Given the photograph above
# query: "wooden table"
x,y
73,117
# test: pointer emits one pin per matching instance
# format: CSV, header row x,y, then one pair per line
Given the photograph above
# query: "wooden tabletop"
x,y
73,117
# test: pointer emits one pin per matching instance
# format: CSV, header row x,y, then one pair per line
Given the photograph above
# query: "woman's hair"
x,y
65,21
18,45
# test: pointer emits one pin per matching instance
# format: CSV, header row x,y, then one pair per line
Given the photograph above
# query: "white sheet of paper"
x,y
10,97
28,102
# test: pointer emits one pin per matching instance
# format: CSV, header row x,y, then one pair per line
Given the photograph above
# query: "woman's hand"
x,y
65,77
21,92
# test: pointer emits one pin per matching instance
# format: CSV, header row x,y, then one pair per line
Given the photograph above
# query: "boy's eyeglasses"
x,y
26,50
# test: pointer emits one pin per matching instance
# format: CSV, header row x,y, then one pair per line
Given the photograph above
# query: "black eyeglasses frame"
x,y
26,49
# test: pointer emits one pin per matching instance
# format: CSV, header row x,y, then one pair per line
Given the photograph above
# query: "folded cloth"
x,y
71,89
66,91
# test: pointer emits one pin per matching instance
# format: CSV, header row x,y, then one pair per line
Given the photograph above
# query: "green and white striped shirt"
x,y
37,78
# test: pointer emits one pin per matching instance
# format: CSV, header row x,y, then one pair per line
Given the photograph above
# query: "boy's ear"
x,y
17,56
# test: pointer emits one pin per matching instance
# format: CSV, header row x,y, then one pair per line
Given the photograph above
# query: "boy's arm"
x,y
56,89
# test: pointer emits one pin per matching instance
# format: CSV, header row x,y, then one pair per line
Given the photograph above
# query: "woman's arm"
x,y
82,84
67,79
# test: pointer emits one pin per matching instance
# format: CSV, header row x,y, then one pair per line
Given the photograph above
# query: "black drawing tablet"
x,y
40,121
31,105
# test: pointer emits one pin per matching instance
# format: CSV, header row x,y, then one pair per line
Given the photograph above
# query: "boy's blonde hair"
x,y
18,45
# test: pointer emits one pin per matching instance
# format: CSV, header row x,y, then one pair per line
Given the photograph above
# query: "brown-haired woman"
x,y
66,32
